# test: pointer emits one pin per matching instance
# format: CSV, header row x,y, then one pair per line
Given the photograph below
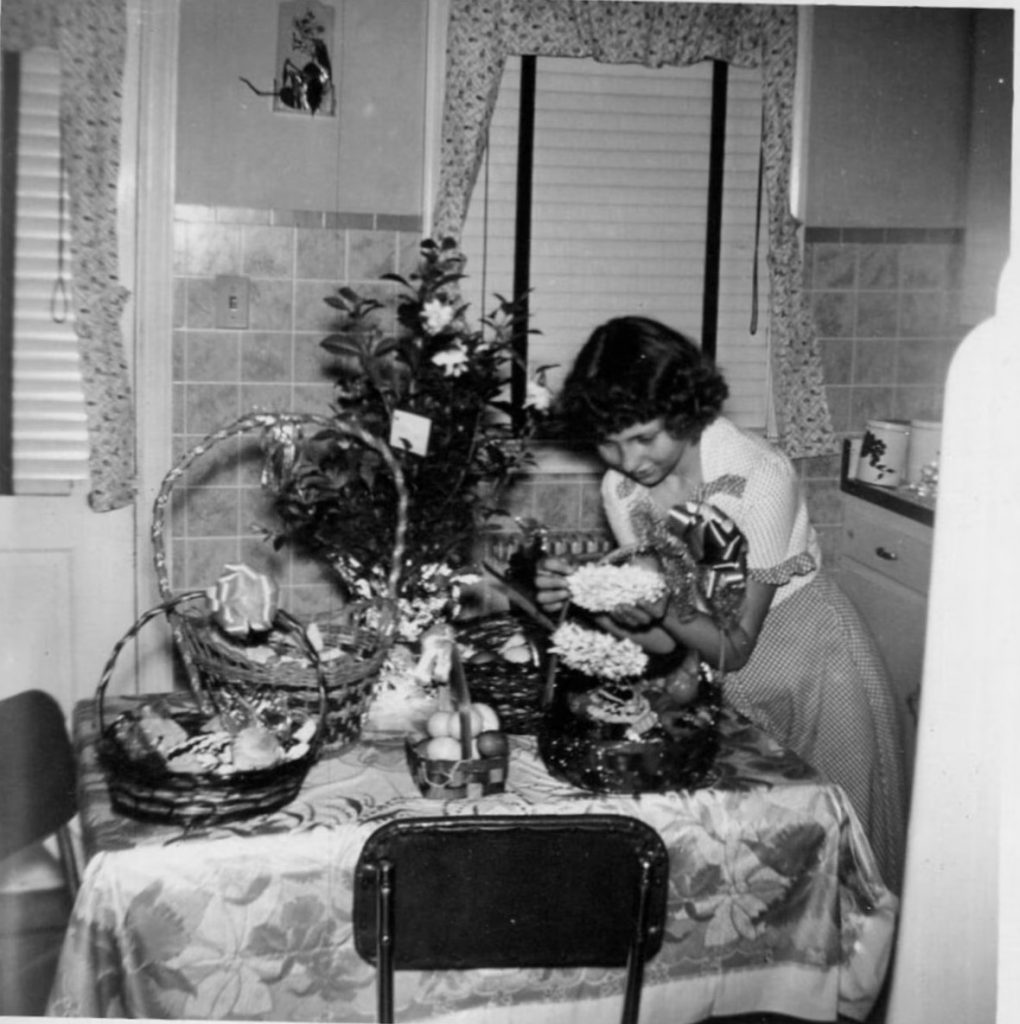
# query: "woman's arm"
x,y
660,629
728,649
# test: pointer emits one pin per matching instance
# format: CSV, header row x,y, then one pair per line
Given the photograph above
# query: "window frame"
x,y
10,101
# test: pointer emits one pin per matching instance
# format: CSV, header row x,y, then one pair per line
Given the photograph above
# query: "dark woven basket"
x,y
360,634
597,758
512,689
146,789
455,780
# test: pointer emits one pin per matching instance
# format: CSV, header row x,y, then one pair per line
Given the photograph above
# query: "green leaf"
x,y
343,345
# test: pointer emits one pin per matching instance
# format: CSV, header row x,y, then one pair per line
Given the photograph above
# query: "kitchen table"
x,y
775,903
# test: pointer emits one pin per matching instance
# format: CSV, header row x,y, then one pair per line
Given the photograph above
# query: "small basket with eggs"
x,y
463,752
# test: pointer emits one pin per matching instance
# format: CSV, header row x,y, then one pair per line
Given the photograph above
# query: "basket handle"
x,y
265,421
284,619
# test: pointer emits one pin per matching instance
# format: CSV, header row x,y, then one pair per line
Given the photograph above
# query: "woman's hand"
x,y
642,615
551,590
642,624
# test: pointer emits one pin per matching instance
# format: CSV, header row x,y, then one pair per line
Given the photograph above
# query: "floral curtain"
x,y
90,36
483,33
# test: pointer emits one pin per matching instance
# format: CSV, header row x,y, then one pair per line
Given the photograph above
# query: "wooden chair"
x,y
37,800
511,891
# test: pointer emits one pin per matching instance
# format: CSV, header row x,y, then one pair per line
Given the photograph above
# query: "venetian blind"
x,y
620,192
50,438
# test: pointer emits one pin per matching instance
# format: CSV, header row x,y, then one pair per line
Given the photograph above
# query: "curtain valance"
x,y
483,33
90,36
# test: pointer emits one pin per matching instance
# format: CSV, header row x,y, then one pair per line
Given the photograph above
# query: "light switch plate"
x,y
232,299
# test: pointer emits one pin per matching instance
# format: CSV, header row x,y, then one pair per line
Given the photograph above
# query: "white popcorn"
x,y
601,588
598,654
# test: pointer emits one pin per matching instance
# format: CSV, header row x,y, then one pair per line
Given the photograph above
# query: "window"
x,y
620,198
45,445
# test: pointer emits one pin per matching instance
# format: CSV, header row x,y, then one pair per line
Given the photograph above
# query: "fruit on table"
x,y
492,744
682,687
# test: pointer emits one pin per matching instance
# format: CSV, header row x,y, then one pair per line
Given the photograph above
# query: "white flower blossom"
x,y
537,396
436,316
453,360
601,588
598,654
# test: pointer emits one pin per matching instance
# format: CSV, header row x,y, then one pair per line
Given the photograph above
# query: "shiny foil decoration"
x,y
719,549
243,601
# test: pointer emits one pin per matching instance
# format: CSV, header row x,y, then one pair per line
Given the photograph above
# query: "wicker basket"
x,y
513,690
457,780
679,755
144,788
355,641
472,774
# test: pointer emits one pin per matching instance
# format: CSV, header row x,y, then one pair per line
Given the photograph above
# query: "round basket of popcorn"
x,y
213,755
614,722
351,644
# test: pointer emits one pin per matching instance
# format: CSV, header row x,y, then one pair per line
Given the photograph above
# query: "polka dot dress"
x,y
815,680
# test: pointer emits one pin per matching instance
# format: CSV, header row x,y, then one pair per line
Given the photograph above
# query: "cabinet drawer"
x,y
881,547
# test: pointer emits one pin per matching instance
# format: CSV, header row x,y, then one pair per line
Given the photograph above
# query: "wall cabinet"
x,y
884,566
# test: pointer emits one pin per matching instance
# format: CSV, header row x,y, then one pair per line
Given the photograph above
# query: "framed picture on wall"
x,y
304,79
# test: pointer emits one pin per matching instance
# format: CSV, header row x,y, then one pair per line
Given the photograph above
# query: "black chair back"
x,y
511,891
37,800
37,772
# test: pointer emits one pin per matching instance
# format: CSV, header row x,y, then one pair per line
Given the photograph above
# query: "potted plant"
x,y
434,387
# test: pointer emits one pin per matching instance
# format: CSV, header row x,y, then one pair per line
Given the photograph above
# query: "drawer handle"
x,y
889,556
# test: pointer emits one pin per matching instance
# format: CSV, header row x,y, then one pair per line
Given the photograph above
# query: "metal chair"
x,y
37,800
511,891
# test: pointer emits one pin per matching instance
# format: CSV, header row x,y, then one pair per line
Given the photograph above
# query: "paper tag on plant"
x,y
411,431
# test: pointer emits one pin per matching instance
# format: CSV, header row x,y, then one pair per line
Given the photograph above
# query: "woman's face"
x,y
646,452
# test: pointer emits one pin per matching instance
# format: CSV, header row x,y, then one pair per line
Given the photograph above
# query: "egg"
x,y
488,720
474,723
492,744
439,723
442,748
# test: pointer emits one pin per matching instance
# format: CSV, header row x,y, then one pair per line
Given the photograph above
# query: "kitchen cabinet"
x,y
884,567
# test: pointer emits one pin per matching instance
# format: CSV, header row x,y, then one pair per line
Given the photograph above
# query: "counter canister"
x,y
883,458
925,444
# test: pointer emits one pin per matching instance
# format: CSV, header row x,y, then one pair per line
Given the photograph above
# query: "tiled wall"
x,y
292,260
885,305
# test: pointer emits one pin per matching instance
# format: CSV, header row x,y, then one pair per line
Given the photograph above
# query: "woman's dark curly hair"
x,y
632,370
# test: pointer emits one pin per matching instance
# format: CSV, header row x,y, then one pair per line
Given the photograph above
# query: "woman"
x,y
796,656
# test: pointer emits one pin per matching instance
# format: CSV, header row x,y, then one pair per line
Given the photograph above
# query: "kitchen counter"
x,y
902,500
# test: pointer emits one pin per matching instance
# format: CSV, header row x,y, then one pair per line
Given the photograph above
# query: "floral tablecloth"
x,y
775,903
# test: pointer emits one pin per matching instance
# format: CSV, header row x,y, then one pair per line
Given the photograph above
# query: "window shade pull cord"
x,y
757,231
59,304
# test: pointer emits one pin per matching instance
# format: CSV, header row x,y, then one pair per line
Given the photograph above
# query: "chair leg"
x,y
384,941
636,958
68,860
